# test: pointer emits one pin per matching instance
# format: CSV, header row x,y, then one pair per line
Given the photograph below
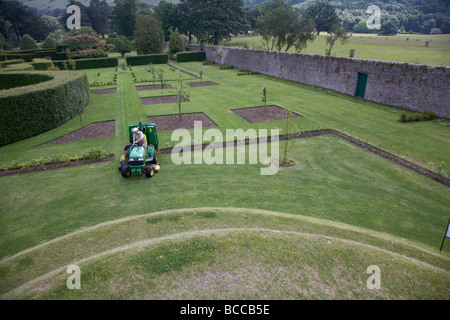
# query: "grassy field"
x,y
408,48
141,238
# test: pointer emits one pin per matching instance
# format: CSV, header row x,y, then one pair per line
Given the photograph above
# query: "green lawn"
x,y
400,48
332,179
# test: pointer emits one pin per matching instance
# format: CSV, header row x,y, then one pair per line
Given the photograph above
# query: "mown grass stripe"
x,y
185,235
309,219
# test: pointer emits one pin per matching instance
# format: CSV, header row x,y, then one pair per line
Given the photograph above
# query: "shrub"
x,y
89,54
178,42
149,35
146,59
48,103
190,56
45,65
410,117
49,43
81,42
27,42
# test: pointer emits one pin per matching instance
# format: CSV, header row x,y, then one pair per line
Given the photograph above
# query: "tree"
x,y
49,42
427,26
124,13
162,81
290,141
305,33
149,35
182,95
121,44
213,21
323,15
178,42
361,27
27,42
168,14
282,26
276,21
22,20
83,30
388,28
52,24
100,15
337,32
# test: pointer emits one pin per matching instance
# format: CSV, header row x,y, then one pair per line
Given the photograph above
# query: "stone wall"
x,y
408,86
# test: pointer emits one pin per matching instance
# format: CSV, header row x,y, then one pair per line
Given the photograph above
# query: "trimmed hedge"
x,y
8,62
146,59
12,80
27,57
18,67
42,65
89,63
36,108
187,56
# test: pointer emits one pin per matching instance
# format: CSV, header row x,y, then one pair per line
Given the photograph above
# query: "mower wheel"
x,y
150,171
126,171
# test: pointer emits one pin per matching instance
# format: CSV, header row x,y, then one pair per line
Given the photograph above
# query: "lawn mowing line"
x,y
184,235
309,219
178,68
431,175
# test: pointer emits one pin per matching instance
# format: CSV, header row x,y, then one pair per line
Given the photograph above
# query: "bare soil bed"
x,y
153,87
172,122
261,114
203,84
104,91
92,131
159,99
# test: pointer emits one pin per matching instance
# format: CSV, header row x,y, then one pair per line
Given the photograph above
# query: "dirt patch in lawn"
x,y
172,122
159,99
92,131
153,87
104,91
261,114
203,84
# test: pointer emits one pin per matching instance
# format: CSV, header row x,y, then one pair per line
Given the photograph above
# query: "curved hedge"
x,y
29,110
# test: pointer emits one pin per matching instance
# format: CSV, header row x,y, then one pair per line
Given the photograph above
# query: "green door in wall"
x,y
361,87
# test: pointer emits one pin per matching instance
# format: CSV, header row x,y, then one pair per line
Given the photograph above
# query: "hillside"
x,y
346,7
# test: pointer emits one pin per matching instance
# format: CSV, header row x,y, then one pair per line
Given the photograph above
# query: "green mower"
x,y
135,159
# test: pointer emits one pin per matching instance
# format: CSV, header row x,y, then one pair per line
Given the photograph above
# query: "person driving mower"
x,y
140,139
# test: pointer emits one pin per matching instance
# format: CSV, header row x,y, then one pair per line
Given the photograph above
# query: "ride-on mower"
x,y
135,159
